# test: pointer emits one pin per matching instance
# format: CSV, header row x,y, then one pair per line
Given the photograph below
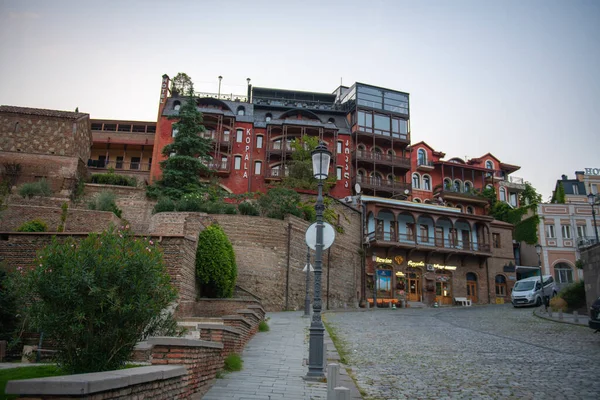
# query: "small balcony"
x,y
513,182
380,135
423,165
382,185
453,194
223,139
379,158
119,165
431,243
275,174
223,96
585,242
219,167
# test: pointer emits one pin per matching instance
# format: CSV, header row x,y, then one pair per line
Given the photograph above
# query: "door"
x,y
472,287
414,287
466,239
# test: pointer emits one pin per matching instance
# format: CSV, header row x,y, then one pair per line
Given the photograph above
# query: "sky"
x,y
518,79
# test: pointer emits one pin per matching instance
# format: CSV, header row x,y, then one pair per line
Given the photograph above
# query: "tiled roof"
x,y
42,112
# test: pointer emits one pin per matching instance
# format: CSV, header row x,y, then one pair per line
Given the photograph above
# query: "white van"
x,y
528,291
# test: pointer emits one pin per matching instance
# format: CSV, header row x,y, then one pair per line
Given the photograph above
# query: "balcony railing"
x,y
586,241
275,173
119,165
381,184
378,133
423,163
214,135
428,241
224,96
363,155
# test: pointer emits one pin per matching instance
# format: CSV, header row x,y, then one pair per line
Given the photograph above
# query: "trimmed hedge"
x,y
216,270
114,179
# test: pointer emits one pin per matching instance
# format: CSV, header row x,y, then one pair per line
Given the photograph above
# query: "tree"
x,y
95,298
186,155
279,201
216,270
300,171
8,307
559,195
182,84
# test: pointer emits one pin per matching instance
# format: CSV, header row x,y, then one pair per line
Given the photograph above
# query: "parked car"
x,y
528,291
594,321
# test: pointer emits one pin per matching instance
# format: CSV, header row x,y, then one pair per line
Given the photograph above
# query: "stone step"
x,y
415,304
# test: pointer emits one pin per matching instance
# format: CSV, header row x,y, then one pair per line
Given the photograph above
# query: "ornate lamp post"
x,y
307,297
316,370
592,202
538,250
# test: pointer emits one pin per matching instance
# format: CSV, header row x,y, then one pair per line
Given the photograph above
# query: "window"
x,y
416,181
500,285
268,117
365,121
259,142
176,105
135,163
457,185
424,233
376,179
575,188
339,173
447,184
489,164
496,240
563,273
257,168
416,200
468,187
119,163
339,148
426,182
241,110
459,207
550,232
399,128
224,162
174,132
470,210
382,125
513,199
421,157
239,135
237,162
581,231
390,180
502,194
566,231
226,135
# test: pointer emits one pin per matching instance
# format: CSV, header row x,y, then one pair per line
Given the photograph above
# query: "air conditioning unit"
x,y
430,267
348,199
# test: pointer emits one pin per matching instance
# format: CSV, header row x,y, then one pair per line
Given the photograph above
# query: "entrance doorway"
x,y
472,287
414,286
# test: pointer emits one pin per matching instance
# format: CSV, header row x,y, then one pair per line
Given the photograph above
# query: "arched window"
x,y
470,210
361,176
174,132
268,117
468,187
390,179
447,184
361,147
417,200
563,273
488,186
426,182
502,194
331,121
377,153
241,110
391,153
471,277
427,201
460,207
489,164
421,157
457,185
376,179
416,181
501,285
176,105
237,162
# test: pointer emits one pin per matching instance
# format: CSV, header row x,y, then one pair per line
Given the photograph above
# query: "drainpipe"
x,y
287,272
487,274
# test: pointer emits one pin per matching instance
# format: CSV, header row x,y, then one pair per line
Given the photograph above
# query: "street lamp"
x,y
592,201
316,370
538,250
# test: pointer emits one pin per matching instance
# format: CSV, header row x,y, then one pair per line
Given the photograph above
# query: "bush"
x,y
263,326
233,362
247,208
95,298
164,204
35,225
556,303
111,178
280,201
216,270
8,308
574,295
105,201
39,188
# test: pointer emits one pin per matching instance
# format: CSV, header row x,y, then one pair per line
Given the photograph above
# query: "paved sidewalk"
x,y
274,365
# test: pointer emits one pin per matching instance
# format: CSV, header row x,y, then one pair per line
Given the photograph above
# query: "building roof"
x,y
42,112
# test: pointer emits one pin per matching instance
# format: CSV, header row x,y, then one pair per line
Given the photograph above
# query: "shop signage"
x,y
446,267
416,263
592,171
247,140
431,267
383,260
163,89
398,259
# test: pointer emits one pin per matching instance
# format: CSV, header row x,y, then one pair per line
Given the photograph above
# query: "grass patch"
x,y
339,344
13,374
233,362
263,326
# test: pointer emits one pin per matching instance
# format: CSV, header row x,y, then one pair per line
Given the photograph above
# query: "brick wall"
x,y
591,273
215,307
77,220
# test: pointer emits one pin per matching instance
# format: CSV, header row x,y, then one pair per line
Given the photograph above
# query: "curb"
x,y
540,314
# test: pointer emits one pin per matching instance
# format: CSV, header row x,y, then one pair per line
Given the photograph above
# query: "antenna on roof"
x,y
341,84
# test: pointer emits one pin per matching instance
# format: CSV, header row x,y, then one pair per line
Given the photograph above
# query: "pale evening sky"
x,y
519,79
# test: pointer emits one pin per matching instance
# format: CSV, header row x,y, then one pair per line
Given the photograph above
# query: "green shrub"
x,y
216,270
233,362
191,204
111,178
105,201
63,217
280,201
248,208
39,188
8,308
95,297
229,209
35,225
263,326
164,204
574,295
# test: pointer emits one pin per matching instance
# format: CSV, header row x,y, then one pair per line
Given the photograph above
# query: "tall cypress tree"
x,y
182,169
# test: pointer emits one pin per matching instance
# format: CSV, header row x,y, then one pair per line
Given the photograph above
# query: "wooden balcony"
x,y
382,185
450,193
432,243
379,158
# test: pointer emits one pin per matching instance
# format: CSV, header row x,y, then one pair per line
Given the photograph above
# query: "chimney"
x,y
249,91
564,177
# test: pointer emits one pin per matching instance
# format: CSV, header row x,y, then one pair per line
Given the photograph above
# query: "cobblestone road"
x,y
481,352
